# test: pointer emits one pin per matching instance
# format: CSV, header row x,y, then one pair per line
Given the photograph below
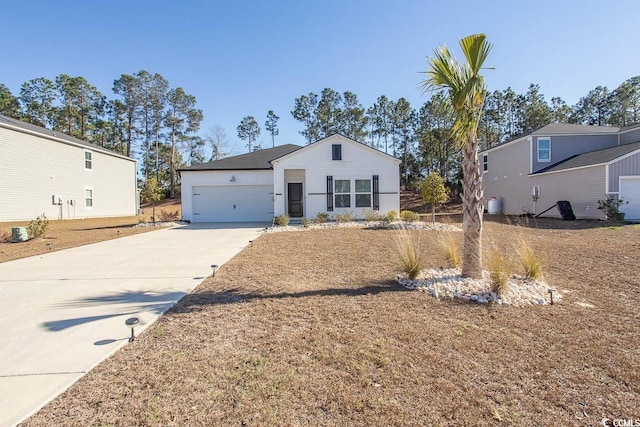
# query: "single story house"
x,y
48,172
577,163
333,175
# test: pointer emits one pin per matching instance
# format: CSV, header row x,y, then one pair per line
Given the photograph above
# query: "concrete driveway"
x,y
63,312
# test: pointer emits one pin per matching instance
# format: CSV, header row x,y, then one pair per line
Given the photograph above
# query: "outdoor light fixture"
x,y
214,267
132,322
250,243
118,232
49,246
551,292
233,179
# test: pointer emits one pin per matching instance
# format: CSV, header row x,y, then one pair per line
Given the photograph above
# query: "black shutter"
x,y
376,193
329,194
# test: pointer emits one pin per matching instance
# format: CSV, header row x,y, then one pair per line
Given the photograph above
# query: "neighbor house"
x,y
334,175
580,164
47,172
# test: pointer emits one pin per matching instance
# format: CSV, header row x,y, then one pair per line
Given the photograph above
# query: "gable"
x,y
351,151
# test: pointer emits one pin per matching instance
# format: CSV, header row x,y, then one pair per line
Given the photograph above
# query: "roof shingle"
x,y
256,160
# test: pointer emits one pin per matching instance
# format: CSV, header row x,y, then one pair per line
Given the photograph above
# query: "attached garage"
x,y
232,203
630,192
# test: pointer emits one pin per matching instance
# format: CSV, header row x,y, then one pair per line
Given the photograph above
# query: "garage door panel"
x,y
232,203
630,192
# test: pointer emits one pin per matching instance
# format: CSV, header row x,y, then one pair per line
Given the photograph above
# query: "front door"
x,y
295,199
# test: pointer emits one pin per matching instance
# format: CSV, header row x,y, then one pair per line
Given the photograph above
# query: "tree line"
x,y
421,137
158,124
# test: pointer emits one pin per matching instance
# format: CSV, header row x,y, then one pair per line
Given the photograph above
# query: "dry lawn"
x,y
309,328
67,234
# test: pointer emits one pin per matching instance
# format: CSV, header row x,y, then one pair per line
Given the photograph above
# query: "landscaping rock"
x,y
448,282
396,225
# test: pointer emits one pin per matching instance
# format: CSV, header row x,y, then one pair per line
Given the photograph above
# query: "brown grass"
x,y
309,329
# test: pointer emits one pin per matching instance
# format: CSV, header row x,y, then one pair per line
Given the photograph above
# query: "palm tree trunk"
x,y
472,210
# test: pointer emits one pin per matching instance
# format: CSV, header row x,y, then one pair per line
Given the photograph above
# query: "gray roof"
x,y
55,134
569,129
592,158
255,160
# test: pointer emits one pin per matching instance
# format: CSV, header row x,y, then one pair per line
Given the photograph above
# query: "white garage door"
x,y
630,192
232,203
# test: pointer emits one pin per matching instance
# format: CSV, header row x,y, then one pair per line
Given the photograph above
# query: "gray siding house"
x,y
581,164
42,171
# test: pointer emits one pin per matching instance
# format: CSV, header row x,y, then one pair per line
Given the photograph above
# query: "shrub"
x,y
391,216
529,260
410,252
281,220
450,247
611,208
409,216
372,216
498,272
169,215
306,222
322,217
343,217
38,226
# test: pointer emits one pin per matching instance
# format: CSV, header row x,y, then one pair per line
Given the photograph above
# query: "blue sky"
x,y
243,58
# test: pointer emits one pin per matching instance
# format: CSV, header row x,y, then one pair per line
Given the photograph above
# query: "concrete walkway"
x,y
63,312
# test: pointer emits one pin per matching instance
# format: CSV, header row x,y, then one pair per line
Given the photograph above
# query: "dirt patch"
x,y
166,210
311,329
65,234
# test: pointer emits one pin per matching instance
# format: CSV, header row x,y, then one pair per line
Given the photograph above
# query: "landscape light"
x,y
215,268
132,322
551,292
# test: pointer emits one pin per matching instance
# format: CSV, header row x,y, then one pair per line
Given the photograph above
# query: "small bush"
x,y
529,260
372,216
611,208
410,252
409,216
321,217
498,272
306,222
282,220
450,247
391,216
169,215
343,217
38,226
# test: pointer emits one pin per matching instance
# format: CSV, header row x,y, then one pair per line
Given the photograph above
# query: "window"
x,y
336,152
363,193
343,193
485,163
544,149
88,161
88,197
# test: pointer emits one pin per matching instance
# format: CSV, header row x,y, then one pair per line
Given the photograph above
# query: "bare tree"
x,y
217,139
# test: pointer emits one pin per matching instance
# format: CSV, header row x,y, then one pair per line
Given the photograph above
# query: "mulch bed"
x,y
311,328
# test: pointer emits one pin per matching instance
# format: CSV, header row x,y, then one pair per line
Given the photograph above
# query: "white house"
x,y
576,163
333,175
42,171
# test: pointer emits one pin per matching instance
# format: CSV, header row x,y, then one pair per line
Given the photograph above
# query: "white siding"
x,y
34,168
509,181
190,179
358,162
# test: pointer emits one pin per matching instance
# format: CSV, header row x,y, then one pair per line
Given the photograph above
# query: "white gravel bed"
x,y
448,283
159,224
367,224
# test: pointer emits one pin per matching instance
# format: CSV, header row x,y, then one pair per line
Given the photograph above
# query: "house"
x,y
580,164
63,177
333,175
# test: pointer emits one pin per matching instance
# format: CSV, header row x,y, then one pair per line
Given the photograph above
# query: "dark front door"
x,y
295,199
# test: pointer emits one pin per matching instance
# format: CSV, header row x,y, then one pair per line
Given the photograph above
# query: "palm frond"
x,y
476,49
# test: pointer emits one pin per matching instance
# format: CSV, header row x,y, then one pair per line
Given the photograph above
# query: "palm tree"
x,y
465,86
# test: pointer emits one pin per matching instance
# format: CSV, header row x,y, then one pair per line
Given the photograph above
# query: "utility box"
x,y
19,234
56,200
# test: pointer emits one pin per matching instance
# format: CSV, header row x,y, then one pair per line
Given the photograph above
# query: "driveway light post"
x,y
132,322
214,267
